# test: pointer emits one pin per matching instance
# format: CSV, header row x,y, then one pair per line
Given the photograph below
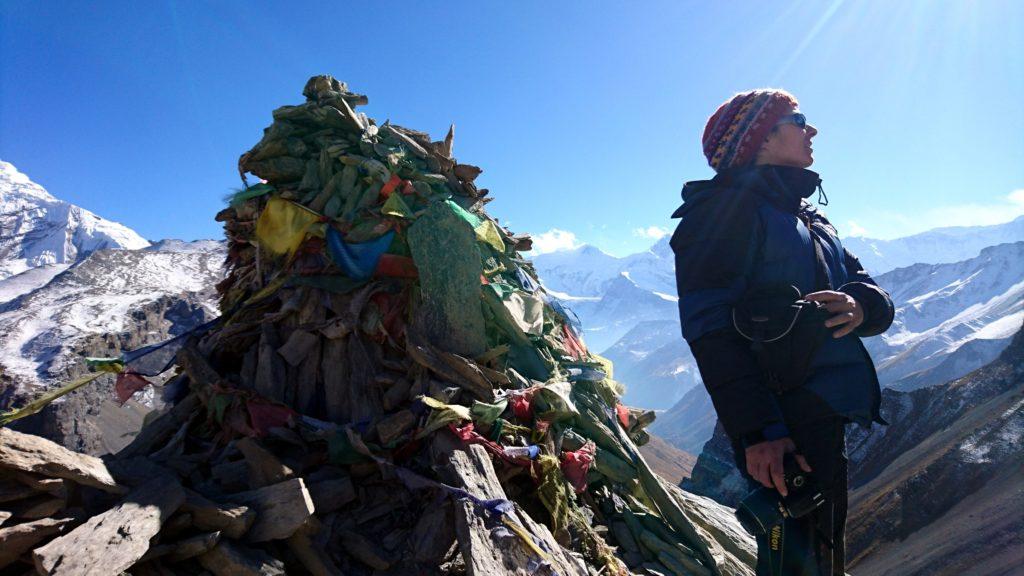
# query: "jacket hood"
x,y
784,186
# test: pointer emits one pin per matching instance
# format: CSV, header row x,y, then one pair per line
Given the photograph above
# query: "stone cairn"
x,y
389,391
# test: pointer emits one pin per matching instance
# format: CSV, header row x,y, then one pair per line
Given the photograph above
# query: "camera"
x,y
765,508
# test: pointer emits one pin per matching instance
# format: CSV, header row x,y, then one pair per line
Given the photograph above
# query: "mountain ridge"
x,y
37,229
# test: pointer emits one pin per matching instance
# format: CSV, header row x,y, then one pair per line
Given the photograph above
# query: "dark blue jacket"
x,y
752,228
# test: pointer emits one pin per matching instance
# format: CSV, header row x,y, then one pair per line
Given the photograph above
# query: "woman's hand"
x,y
764,462
848,312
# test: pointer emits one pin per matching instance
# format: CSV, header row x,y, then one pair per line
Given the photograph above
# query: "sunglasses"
x,y
796,118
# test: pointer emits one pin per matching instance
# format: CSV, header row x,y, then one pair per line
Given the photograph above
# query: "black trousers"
x,y
815,544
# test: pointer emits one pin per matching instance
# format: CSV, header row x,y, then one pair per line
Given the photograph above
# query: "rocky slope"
x,y
940,492
111,301
667,461
715,474
915,416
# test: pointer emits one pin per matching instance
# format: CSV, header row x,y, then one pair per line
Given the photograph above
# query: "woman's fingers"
x,y
839,319
844,330
802,462
839,306
825,296
778,477
758,471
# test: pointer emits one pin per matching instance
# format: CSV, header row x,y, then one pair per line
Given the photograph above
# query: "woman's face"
x,y
788,145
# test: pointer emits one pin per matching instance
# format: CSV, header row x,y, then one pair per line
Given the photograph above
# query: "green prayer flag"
x,y
218,405
469,217
487,413
109,365
249,193
340,449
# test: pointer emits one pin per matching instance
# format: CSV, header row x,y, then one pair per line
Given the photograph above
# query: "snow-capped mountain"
x,y
656,363
78,285
110,301
938,246
622,306
586,271
630,314
38,230
577,273
950,318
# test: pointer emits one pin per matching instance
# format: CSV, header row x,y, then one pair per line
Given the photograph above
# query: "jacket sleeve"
x,y
878,307
713,261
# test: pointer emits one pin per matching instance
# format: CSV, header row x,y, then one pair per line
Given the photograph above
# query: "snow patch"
x,y
668,297
1004,327
569,297
29,280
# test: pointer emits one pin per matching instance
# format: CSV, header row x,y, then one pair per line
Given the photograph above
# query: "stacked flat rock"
x,y
390,391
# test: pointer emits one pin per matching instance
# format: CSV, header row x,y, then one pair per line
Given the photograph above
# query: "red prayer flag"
x,y
574,345
623,414
394,266
522,403
389,187
264,415
470,436
128,383
576,464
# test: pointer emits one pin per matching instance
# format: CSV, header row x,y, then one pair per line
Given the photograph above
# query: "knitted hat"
x,y
735,132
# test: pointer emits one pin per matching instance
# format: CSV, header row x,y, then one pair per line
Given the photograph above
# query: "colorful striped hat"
x,y
735,132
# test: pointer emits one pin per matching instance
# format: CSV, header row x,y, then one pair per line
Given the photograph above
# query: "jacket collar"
x,y
784,186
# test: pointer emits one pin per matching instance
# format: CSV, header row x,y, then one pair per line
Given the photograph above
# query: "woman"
x,y
747,232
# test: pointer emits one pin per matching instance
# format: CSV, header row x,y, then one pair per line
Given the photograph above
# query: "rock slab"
x,y
110,543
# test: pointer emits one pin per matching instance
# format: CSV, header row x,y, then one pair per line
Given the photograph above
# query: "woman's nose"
x,y
811,130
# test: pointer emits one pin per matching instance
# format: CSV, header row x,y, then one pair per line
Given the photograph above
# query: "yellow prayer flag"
x,y
283,225
488,233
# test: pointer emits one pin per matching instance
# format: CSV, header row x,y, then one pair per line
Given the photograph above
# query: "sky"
x,y
585,116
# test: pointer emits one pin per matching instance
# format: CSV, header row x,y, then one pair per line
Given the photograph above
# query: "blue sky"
x,y
586,116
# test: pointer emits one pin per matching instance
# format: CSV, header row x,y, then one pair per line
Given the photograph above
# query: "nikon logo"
x,y
775,539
